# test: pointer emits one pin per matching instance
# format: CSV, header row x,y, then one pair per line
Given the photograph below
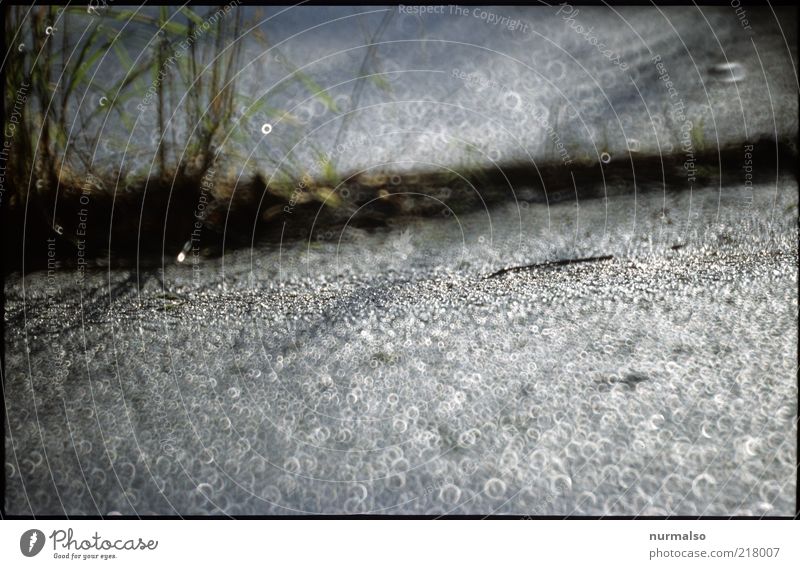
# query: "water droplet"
x,y
186,248
396,481
554,65
494,488
449,493
729,72
266,128
702,484
656,421
605,157
512,101
560,484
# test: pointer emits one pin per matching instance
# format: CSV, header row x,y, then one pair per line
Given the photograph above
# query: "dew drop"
x,y
449,494
494,488
729,72
702,484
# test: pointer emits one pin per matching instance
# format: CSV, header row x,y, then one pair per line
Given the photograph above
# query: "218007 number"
x,y
757,551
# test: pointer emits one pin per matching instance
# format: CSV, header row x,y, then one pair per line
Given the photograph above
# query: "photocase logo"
x,y
31,542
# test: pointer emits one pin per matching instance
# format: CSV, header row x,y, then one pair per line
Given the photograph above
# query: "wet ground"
x,y
390,372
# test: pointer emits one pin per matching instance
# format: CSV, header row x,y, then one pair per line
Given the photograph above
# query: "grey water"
x,y
388,373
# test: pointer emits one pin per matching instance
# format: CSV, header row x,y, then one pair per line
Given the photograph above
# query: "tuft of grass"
x,y
698,136
55,147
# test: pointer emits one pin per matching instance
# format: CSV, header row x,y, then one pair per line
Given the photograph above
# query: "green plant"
x,y
186,76
698,138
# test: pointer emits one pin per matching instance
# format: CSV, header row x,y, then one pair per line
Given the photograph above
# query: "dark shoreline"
x,y
160,218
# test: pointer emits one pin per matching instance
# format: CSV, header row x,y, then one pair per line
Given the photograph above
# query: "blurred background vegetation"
x,y
64,150
125,128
